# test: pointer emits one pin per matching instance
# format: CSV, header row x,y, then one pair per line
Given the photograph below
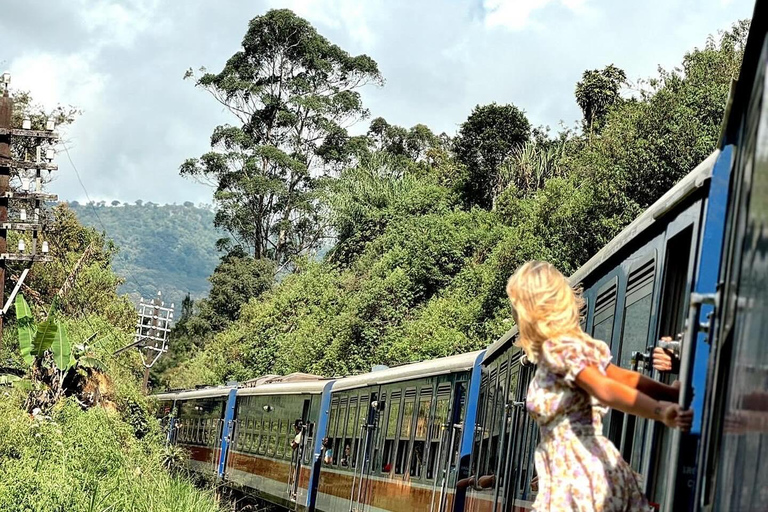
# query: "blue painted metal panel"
x,y
229,416
468,429
706,282
709,273
320,430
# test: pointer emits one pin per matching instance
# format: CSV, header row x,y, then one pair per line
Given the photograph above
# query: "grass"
x,y
89,461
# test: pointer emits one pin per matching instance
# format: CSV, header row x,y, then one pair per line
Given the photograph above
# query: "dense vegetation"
x,y
426,228
169,248
78,434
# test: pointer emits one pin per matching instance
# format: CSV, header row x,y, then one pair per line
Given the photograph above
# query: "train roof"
x,y
443,365
195,393
311,387
674,196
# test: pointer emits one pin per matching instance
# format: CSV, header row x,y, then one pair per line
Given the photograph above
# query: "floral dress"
x,y
579,469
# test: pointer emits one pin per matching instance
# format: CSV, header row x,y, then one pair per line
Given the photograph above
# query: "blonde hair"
x,y
546,307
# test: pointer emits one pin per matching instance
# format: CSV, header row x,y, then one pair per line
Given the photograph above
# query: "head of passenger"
x,y
297,426
544,306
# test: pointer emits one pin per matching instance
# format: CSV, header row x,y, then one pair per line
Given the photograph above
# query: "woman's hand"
x,y
673,417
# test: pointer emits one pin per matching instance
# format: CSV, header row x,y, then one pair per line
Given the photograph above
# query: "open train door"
x,y
362,459
304,434
224,432
715,289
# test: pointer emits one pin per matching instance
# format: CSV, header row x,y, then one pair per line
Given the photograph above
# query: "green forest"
x,y
168,248
323,252
425,228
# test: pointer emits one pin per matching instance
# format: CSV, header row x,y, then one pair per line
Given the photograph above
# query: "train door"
x,y
362,454
676,283
300,438
447,472
225,431
522,436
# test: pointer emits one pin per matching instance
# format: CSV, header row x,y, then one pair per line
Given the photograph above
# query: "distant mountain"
x,y
168,248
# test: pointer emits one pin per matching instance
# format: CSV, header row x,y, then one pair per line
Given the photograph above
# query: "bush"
x,y
90,460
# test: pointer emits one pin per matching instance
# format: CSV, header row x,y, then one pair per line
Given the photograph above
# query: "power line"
x,y
82,185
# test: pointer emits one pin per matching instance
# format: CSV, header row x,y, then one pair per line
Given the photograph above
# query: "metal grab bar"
x,y
443,430
686,392
355,458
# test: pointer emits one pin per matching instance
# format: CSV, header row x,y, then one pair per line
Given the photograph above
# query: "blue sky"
x,y
122,62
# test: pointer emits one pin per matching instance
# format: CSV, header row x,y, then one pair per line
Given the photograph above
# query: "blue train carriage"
x,y
195,421
636,289
399,437
726,364
264,461
692,267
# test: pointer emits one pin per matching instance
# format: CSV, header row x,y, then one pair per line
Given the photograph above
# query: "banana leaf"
x,y
61,348
26,328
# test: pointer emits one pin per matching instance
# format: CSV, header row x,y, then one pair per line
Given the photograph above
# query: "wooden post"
x,y
6,108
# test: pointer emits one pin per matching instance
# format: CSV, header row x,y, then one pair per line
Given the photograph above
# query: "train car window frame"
x,y
441,409
638,309
390,431
405,430
423,411
606,302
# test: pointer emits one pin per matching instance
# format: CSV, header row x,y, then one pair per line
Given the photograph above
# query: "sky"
x,y
122,63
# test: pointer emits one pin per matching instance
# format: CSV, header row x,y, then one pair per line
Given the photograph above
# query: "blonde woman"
x,y
574,384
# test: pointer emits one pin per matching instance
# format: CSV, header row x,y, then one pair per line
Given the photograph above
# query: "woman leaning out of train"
x,y
574,384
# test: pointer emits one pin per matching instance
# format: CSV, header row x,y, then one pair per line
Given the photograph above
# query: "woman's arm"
x,y
640,382
618,395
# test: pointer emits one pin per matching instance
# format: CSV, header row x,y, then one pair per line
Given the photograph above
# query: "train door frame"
x,y
681,232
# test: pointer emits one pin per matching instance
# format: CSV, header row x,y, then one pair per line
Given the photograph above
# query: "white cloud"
x,y
56,79
119,23
516,14
351,16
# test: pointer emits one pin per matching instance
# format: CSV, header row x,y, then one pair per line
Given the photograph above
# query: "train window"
x,y
583,311
405,431
391,433
256,434
281,431
487,423
360,434
340,429
605,311
349,433
628,431
438,445
273,433
420,432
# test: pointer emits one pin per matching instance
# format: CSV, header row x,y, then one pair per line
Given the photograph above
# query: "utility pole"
x,y
152,333
7,164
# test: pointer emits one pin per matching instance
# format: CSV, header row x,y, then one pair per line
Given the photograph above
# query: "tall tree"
x,y
293,93
596,93
490,134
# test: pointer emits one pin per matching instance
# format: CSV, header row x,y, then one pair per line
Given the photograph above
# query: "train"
x,y
453,434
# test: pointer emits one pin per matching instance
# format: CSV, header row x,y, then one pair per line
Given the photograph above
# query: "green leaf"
x,y
91,362
61,347
45,336
26,328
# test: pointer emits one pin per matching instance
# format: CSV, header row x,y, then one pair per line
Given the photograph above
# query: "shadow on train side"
x,y
453,434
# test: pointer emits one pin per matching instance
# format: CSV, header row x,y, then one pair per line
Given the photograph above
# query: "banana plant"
x,y
36,340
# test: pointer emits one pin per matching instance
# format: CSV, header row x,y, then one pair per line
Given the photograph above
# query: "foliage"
x,y
106,466
416,272
597,93
292,92
485,140
170,248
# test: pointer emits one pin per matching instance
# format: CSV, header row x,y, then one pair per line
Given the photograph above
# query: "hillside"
x,y
171,248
